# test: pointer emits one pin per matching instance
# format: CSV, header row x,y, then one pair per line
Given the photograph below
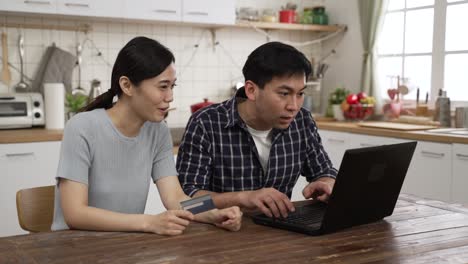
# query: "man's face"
x,y
278,103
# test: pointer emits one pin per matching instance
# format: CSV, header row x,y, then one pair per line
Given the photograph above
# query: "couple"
x,y
247,152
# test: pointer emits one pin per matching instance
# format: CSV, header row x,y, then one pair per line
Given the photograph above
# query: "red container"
x,y
196,107
287,16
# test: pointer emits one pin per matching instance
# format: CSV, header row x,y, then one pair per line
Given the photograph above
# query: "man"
x,y
250,150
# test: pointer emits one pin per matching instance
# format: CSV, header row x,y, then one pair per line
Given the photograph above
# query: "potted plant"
x,y
335,100
74,102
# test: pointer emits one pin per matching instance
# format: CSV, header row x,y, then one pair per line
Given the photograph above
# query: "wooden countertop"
x,y
40,134
412,135
419,231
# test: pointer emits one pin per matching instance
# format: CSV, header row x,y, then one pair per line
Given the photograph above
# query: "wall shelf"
x,y
286,26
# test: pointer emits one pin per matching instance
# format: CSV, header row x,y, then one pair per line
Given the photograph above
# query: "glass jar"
x,y
319,15
307,16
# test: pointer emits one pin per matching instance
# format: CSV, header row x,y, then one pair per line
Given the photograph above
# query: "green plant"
x,y
74,102
338,96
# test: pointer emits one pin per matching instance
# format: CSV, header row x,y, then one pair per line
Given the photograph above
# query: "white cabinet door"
x,y
430,171
24,165
209,11
460,174
154,204
30,6
362,141
92,8
154,10
335,144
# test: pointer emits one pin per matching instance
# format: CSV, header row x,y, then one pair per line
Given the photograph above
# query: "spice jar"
x,y
307,16
319,15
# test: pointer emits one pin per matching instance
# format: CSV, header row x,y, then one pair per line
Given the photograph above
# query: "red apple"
x,y
352,99
361,95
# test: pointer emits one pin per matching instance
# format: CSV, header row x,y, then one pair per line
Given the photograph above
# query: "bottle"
x,y
437,106
95,90
444,110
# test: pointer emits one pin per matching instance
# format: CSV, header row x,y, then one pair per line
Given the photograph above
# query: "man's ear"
x,y
126,85
251,90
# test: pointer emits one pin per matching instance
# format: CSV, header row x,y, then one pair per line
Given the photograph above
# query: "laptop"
x,y
366,190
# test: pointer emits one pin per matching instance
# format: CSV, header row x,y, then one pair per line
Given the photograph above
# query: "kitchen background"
x,y
204,71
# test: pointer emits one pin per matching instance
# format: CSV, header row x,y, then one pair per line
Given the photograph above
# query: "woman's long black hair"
x,y
140,59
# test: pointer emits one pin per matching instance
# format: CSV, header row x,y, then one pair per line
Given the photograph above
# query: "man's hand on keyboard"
x,y
320,189
268,200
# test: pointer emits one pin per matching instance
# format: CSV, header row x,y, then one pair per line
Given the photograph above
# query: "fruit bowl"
x,y
358,111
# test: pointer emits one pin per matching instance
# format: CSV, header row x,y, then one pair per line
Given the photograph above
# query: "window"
x,y
425,42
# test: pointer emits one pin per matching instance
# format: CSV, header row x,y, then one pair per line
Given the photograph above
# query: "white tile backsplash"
x,y
208,74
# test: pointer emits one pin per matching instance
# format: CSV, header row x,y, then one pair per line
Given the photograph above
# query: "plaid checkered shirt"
x,y
218,154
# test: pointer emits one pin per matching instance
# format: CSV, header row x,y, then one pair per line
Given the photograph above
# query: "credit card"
x,y
199,204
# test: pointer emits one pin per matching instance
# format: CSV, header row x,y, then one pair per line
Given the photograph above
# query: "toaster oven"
x,y
21,110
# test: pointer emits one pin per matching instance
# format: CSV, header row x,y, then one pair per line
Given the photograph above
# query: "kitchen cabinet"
x,y
30,6
24,165
430,171
91,8
209,11
154,204
153,10
460,173
335,144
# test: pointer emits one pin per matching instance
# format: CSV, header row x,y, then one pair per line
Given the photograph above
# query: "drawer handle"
x,y
166,11
336,140
367,145
433,154
197,13
11,155
77,5
462,156
37,2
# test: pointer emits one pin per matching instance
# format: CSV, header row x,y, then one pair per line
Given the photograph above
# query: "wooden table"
x,y
419,231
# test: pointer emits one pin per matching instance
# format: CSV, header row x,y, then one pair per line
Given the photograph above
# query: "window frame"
x,y
438,53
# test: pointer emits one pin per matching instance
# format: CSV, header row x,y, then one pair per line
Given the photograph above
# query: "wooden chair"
x,y
35,207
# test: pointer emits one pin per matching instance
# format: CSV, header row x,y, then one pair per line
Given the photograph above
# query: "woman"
x,y
110,150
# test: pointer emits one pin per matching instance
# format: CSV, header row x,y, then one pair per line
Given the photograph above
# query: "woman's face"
x,y
152,97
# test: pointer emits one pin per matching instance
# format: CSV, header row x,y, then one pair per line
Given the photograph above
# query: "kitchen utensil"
x,y
461,117
22,86
95,90
79,89
6,74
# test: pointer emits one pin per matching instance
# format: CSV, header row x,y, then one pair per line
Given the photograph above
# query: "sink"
x,y
450,131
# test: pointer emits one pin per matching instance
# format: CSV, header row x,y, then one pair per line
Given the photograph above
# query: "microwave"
x,y
21,110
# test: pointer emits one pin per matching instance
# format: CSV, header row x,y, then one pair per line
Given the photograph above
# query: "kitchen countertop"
x,y
40,134
412,135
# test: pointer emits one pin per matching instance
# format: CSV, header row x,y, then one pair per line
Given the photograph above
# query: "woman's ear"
x,y
126,85
251,90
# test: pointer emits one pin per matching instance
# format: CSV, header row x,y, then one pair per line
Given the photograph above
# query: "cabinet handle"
x,y
432,154
336,140
77,5
11,155
165,11
461,156
197,13
367,145
37,2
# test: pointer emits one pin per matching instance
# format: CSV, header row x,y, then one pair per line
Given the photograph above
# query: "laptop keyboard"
x,y
306,215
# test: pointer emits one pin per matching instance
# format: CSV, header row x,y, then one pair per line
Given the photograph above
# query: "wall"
x,y
203,72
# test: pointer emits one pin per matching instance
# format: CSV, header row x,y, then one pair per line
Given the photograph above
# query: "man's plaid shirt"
x,y
218,154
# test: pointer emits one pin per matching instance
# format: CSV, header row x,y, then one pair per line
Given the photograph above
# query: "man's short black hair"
x,y
274,59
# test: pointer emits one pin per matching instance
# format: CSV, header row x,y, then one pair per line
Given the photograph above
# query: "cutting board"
x,y
396,126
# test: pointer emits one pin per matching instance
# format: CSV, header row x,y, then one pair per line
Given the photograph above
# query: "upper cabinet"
x,y
153,10
209,11
30,6
91,8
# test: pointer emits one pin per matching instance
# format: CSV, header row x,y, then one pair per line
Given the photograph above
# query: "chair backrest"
x,y
35,207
